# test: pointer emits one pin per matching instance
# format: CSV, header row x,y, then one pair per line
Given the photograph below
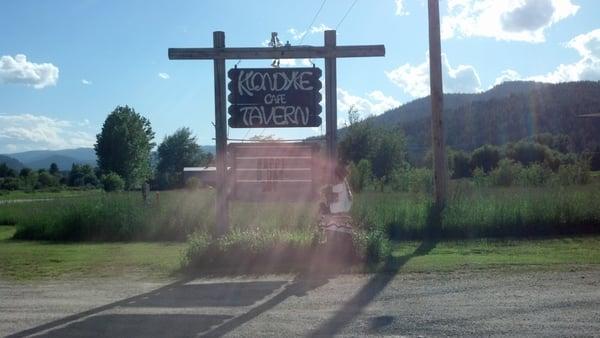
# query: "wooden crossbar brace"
x,y
292,52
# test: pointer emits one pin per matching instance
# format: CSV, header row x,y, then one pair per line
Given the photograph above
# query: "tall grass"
x,y
124,216
484,212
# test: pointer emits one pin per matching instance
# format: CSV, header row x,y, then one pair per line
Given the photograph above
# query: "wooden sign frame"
x,y
219,53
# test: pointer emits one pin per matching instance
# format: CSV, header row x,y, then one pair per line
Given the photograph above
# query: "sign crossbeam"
x,y
292,52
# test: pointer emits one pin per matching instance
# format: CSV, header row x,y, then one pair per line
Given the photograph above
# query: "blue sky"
x,y
64,65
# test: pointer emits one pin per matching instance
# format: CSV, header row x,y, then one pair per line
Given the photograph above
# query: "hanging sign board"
x,y
275,171
274,97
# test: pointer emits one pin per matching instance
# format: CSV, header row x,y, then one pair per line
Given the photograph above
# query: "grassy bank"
x,y
34,260
37,260
545,254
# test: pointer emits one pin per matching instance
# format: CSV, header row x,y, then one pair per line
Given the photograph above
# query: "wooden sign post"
x,y
256,118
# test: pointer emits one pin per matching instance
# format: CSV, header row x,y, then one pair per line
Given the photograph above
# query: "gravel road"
x,y
464,303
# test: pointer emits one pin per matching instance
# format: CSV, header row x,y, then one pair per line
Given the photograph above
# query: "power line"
x,y
312,22
345,15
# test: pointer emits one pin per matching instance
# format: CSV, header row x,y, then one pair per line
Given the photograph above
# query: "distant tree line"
x,y
124,151
378,158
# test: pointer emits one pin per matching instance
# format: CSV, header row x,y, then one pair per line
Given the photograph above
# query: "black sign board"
x,y
274,97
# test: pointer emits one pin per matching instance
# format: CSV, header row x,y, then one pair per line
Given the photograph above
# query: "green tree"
x,y
389,155
384,148
460,164
46,179
24,172
6,171
359,139
526,152
82,175
123,146
485,157
177,151
360,175
53,170
112,182
9,183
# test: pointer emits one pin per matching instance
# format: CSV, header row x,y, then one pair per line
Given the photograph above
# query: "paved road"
x,y
457,303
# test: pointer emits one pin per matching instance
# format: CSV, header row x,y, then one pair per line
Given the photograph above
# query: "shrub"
x,y
360,175
506,173
112,182
197,246
574,173
485,157
534,175
372,246
480,178
460,164
399,180
416,180
9,183
193,183
526,153
45,179
252,249
420,180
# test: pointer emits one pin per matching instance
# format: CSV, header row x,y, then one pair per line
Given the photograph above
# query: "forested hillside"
x,y
11,162
506,113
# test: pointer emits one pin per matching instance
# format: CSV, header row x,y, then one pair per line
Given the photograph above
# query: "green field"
x,y
22,195
112,233
557,253
35,260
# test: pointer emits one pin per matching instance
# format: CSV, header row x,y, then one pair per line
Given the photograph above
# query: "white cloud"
x,y
28,131
294,62
414,80
373,103
400,10
86,82
507,75
18,70
587,68
287,62
319,29
513,20
306,62
164,76
587,45
298,35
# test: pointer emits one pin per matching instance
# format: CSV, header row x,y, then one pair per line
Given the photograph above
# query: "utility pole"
x,y
222,198
331,105
440,173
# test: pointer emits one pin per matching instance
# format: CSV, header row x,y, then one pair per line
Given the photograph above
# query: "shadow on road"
x,y
186,295
299,287
179,295
368,292
138,316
